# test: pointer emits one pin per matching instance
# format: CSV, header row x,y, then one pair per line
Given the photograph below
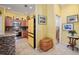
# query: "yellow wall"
x,y
67,11
48,30
57,9
51,29
31,29
3,18
41,30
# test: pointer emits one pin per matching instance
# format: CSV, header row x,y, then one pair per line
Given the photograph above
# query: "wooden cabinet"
x,y
8,21
24,30
23,23
24,34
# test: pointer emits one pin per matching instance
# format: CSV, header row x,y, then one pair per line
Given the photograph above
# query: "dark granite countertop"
x,y
7,43
7,34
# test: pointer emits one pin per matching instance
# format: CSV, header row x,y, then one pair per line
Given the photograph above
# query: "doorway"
x,y
34,32
58,29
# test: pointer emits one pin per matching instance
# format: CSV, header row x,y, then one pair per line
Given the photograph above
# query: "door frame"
x,y
34,32
60,28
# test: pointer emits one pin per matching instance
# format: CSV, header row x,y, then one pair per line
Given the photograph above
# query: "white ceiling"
x,y
25,10
64,5
20,8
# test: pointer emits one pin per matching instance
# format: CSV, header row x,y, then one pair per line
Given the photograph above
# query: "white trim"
x,y
60,30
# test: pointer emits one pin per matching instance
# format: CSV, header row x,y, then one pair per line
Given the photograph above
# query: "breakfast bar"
x,y
7,44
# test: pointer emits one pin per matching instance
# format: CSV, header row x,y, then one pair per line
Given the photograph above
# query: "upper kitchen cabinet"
x,y
24,23
17,20
8,21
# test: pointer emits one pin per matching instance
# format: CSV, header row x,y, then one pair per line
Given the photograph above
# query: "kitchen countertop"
x,y
7,43
7,34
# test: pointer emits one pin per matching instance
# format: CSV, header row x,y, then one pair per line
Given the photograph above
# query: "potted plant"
x,y
72,32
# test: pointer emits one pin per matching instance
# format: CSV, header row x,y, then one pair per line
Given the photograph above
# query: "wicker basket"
x,y
46,44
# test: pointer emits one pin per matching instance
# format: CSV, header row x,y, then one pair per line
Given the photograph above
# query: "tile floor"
x,y
23,48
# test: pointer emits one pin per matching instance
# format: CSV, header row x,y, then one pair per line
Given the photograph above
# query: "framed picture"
x,y
41,19
68,27
72,19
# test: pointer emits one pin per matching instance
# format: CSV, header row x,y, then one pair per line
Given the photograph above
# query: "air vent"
x,y
25,5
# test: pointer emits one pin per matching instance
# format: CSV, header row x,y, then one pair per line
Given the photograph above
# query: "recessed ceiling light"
x,y
8,8
30,7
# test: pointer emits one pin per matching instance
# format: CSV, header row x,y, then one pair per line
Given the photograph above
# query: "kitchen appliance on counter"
x,y
17,29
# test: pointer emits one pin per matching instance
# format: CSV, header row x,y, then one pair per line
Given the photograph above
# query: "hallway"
x,y
23,48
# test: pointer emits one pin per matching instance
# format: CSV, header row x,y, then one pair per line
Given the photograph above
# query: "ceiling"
x,y
66,5
22,8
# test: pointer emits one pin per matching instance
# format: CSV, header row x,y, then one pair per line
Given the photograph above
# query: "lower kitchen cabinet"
x,y
7,45
24,34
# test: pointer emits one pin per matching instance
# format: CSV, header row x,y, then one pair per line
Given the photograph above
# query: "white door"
x,y
58,29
